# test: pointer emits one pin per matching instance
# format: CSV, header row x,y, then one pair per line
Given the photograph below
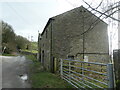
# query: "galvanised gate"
x,y
87,74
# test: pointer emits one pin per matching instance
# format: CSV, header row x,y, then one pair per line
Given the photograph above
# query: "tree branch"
x,y
104,13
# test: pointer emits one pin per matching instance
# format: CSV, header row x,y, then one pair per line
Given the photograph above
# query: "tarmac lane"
x,y
13,71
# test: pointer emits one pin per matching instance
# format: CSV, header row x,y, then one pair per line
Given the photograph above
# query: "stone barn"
x,y
76,34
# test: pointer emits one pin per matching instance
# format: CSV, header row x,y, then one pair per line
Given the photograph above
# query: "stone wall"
x,y
45,50
65,37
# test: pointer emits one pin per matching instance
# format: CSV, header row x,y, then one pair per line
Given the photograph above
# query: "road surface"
x,y
12,70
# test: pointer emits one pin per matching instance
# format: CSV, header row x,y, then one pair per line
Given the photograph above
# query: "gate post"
x,y
110,75
61,69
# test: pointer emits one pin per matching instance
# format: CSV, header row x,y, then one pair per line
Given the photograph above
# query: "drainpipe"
x,y
119,27
83,11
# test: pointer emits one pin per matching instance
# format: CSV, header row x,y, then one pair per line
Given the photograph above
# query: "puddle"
x,y
24,77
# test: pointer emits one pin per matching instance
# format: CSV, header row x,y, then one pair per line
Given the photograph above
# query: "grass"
x,y
33,48
34,45
8,54
48,80
42,79
31,57
32,51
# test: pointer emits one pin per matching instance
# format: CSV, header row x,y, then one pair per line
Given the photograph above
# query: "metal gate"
x,y
87,74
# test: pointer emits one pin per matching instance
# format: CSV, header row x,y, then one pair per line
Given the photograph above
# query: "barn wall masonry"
x,y
77,33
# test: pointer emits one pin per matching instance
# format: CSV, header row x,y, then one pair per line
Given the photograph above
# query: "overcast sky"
x,y
28,16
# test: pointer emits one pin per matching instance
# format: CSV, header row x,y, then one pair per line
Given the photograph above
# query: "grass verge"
x,y
48,80
8,54
41,79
